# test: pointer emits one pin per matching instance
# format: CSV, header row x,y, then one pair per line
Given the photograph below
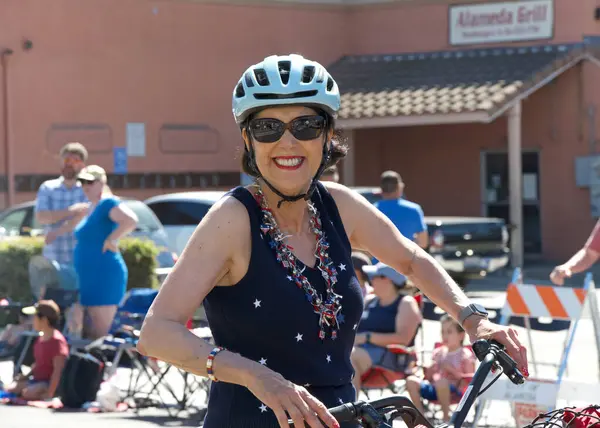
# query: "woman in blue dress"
x,y
271,263
101,270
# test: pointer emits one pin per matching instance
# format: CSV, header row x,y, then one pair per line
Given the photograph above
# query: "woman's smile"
x,y
289,162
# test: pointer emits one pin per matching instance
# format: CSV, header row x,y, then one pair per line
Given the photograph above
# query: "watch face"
x,y
480,309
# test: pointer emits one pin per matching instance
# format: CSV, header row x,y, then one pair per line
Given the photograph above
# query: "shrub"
x,y
140,258
14,259
15,253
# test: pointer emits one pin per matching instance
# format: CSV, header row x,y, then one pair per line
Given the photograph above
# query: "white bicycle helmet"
x,y
284,80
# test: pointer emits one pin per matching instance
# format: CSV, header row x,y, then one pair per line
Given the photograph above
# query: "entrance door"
x,y
495,194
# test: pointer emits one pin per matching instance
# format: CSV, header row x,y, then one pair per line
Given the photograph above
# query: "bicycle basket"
x,y
569,417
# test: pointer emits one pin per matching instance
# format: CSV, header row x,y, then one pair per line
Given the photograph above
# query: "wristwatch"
x,y
473,309
368,338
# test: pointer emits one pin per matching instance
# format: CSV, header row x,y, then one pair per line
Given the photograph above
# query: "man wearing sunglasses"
x,y
60,199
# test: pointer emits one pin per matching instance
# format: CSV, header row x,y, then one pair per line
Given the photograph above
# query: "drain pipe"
x,y
8,149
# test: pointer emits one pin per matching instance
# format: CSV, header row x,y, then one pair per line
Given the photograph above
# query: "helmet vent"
x,y
302,94
261,77
239,90
321,75
308,74
329,84
284,71
249,81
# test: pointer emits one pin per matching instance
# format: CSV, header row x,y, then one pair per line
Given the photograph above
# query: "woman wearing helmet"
x,y
272,265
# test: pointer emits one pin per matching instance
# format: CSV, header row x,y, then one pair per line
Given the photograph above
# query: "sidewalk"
x,y
29,417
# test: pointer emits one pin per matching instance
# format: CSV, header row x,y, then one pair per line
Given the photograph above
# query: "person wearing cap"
x,y
59,200
407,216
101,270
50,352
391,317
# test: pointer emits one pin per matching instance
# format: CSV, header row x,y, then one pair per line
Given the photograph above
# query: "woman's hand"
x,y
282,396
110,245
481,328
559,274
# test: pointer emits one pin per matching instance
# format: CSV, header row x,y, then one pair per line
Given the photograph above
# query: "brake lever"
x,y
503,360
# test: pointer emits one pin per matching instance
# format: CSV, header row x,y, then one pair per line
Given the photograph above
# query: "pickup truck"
x,y
466,247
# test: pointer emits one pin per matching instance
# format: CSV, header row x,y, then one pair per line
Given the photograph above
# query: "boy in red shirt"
x,y
50,353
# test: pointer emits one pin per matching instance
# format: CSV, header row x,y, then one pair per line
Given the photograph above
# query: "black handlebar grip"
x,y
343,413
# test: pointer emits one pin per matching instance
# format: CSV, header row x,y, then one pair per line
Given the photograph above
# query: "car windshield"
x,y
147,221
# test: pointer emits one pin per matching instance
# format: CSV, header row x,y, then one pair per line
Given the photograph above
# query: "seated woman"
x,y
390,318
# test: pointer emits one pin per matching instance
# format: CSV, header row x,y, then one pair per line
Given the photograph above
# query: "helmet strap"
x,y
287,198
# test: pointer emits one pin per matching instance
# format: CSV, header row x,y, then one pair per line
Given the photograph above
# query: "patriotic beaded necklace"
x,y
327,308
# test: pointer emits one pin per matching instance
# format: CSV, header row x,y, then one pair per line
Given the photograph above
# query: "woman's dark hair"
x,y
337,151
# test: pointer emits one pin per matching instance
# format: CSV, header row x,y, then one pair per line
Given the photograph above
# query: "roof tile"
x,y
443,82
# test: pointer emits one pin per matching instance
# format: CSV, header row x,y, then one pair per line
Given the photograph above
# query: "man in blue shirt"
x,y
407,216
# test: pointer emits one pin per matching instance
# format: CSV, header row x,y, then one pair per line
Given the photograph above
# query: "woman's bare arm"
x,y
206,259
126,221
370,230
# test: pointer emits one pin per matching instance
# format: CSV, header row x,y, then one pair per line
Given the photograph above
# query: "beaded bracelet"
x,y
210,360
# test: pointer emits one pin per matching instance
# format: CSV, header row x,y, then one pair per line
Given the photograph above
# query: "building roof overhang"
x,y
465,86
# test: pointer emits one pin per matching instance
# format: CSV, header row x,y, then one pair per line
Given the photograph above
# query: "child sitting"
x,y
451,362
50,352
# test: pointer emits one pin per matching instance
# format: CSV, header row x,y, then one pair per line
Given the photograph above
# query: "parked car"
x,y
181,212
19,220
466,247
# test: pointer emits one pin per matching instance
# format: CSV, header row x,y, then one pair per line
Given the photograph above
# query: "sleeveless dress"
x,y
267,318
102,276
378,318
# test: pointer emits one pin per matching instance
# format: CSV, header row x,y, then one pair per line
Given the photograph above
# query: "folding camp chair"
x,y
149,380
9,315
22,353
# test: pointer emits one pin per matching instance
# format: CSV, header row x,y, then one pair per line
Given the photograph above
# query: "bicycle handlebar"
x,y
490,353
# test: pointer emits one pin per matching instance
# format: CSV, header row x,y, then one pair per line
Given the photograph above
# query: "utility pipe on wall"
x,y
515,189
8,149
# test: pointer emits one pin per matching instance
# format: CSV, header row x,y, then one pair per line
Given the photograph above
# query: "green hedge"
x,y
139,255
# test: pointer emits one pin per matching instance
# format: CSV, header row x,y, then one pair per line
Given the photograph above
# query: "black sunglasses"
x,y
303,128
84,182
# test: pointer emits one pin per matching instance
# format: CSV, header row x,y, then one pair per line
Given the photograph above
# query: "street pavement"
x,y
548,346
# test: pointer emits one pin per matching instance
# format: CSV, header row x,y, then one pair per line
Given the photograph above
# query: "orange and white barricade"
x,y
528,301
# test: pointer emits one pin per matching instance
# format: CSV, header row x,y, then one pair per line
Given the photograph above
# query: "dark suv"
x,y
466,247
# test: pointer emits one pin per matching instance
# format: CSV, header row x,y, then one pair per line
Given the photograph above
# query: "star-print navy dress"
x,y
267,318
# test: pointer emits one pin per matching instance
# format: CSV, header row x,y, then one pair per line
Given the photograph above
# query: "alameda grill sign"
x,y
501,22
